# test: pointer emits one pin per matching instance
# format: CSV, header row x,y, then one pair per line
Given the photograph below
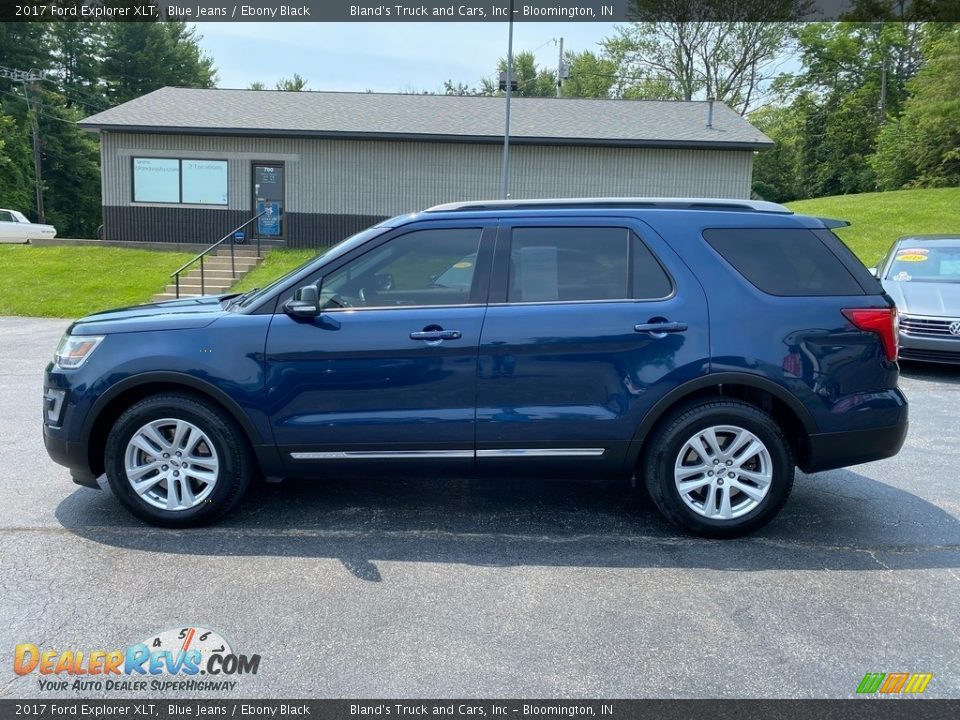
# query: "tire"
x,y
740,502
214,469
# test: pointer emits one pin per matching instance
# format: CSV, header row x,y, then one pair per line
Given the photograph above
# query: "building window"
x,y
187,181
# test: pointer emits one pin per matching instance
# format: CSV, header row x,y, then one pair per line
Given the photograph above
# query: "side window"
x,y
5,216
650,280
789,262
424,267
568,263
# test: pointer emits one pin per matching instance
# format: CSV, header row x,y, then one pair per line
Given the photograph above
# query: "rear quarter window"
x,y
788,262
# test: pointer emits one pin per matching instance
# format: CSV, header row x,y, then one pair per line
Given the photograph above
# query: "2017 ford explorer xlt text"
x,y
706,347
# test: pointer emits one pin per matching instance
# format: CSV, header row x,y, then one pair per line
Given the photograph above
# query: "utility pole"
x,y
24,77
505,169
560,74
883,91
37,165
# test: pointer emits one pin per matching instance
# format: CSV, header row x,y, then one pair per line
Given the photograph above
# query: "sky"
x,y
382,57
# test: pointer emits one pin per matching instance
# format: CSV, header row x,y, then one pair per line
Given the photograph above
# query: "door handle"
x,y
436,335
660,328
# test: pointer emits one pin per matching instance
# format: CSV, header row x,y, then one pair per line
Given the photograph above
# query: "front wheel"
x,y
719,468
177,461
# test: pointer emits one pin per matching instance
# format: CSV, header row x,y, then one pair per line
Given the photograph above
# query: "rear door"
x,y
589,324
385,377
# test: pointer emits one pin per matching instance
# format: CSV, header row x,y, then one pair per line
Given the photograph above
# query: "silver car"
x,y
922,275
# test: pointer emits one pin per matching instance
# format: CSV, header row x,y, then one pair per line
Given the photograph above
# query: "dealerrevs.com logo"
x,y
183,659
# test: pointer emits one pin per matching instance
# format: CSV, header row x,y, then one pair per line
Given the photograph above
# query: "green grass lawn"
x,y
275,263
880,218
71,281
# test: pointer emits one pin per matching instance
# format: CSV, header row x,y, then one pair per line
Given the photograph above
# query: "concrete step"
x,y
215,285
219,263
240,251
218,275
213,273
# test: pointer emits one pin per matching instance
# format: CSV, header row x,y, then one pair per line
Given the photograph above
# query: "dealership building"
x,y
188,165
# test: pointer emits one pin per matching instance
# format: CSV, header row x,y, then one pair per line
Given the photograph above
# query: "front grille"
x,y
927,327
940,356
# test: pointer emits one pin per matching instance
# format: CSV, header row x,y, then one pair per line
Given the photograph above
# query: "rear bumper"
x,y
851,447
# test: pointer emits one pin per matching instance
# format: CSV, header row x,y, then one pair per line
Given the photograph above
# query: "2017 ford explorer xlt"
x,y
705,347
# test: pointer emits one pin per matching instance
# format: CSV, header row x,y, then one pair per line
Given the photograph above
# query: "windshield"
x,y
343,246
926,264
19,217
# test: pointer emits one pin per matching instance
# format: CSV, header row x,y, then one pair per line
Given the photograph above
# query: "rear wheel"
x,y
719,468
177,461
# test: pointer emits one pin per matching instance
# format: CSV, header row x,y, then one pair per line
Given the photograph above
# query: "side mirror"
x,y
874,272
305,302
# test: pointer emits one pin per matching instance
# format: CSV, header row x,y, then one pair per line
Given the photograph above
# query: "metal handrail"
x,y
233,264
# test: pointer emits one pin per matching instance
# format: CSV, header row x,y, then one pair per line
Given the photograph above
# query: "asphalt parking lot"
x,y
455,588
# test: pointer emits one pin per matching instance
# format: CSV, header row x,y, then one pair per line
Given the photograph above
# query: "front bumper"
x,y
72,456
930,349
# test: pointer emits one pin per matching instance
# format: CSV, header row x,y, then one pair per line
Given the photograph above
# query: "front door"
x,y
589,324
388,371
268,199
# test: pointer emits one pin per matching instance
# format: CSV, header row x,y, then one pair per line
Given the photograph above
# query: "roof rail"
x,y
615,202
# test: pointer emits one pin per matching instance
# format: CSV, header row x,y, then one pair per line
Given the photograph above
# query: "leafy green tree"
x,y
24,46
449,88
292,84
76,58
16,182
71,168
256,85
532,80
684,60
841,101
588,75
140,57
775,169
922,147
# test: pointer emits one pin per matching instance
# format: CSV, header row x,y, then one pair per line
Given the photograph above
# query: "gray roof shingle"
x,y
430,117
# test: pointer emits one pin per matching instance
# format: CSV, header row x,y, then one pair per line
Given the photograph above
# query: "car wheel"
x,y
719,468
177,461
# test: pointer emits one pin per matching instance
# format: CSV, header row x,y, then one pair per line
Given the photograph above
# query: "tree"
x,y
841,101
729,61
140,57
775,169
922,147
16,178
532,80
449,88
292,84
256,85
76,58
589,75
71,168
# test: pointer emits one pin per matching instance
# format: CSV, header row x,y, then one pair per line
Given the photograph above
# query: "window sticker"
x,y
903,276
911,257
463,264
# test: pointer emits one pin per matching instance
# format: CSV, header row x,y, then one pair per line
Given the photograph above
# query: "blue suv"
x,y
705,347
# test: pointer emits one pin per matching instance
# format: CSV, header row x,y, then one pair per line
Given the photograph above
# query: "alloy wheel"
x,y
723,472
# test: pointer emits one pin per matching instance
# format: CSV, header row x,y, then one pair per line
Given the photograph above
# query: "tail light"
x,y
885,322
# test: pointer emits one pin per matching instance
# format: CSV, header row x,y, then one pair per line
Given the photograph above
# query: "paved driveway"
x,y
464,589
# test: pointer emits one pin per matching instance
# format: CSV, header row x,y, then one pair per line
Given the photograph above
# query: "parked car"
x,y
15,228
922,275
706,347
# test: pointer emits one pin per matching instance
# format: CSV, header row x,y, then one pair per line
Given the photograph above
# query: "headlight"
x,y
75,349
